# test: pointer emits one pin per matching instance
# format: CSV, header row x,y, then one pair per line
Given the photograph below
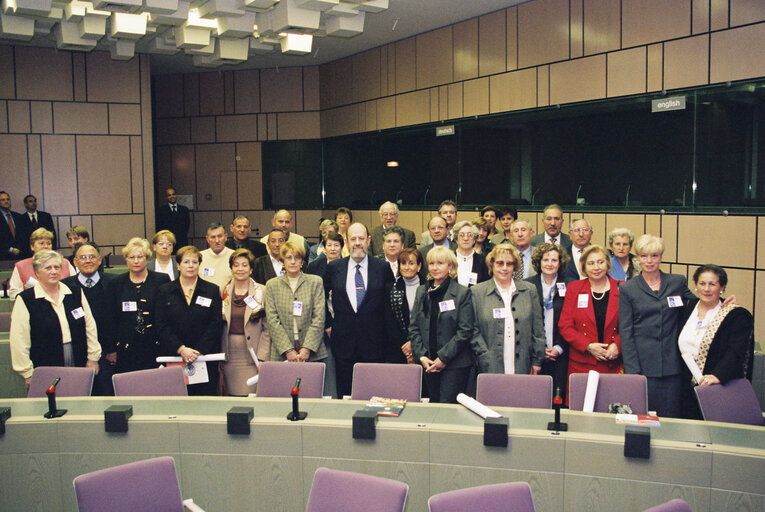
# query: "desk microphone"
x,y
5,289
296,414
53,412
557,404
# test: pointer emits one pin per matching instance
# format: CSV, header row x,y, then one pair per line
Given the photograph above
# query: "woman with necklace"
x,y
399,304
718,337
245,339
590,315
189,318
134,303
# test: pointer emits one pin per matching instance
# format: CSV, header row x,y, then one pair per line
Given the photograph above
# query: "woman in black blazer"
x,y
471,266
134,303
189,317
398,306
720,338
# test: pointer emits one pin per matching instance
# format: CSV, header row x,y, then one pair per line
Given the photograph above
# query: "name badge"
x,y
446,305
500,313
561,289
473,278
204,302
675,301
297,308
251,302
583,300
129,306
78,313
208,272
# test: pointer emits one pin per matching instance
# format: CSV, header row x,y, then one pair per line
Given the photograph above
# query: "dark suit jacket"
x,y
196,326
254,246
648,326
44,220
571,271
263,270
565,240
376,245
178,223
425,250
397,319
100,300
358,335
318,267
8,241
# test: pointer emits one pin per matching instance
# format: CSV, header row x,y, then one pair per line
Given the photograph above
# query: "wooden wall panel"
x,y
34,165
759,309
80,118
669,235
111,80
8,76
298,125
211,94
211,160
543,86
370,115
202,129
247,91
191,91
43,74
236,128
746,11
492,45
168,95
576,24
578,80
443,103
281,90
273,128
476,97
250,190
18,117
98,191
434,58
13,168
686,62
602,26
466,50
405,68
413,108
655,77
738,232
511,23
311,88
648,21
173,131
633,222
228,92
366,75
626,72
3,117
454,100
184,166
124,119
543,20
700,17
117,229
248,156
137,180
728,61
59,173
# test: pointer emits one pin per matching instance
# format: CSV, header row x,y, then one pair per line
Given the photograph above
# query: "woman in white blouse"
x,y
471,267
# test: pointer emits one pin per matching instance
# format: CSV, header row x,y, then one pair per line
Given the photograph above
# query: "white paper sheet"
x,y
591,392
690,362
206,357
477,407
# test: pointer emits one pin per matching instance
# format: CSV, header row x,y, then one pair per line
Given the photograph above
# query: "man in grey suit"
x,y
553,221
388,218
447,210
521,233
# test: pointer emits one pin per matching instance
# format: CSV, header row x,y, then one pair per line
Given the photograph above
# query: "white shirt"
x,y
393,265
549,314
167,270
465,270
508,353
549,239
350,278
95,278
277,264
694,329
577,253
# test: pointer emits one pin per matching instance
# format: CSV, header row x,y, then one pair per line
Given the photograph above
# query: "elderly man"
x,y
214,266
270,266
11,246
393,244
553,221
388,218
447,210
581,234
438,232
175,218
240,229
283,220
358,330
521,233
32,219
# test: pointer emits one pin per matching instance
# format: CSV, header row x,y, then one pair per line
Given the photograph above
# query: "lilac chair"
x,y
276,378
5,321
387,380
671,506
732,402
343,491
510,497
75,381
497,389
167,381
612,387
146,485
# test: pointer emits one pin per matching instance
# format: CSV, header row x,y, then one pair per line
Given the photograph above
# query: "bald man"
x,y
283,220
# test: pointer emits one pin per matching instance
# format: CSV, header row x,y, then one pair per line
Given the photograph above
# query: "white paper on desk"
x,y
477,407
591,391
220,356
690,362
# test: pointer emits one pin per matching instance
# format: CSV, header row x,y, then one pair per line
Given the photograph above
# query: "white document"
x,y
690,362
591,392
477,407
220,356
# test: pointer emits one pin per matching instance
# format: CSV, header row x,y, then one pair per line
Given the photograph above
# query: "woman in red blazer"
x,y
589,320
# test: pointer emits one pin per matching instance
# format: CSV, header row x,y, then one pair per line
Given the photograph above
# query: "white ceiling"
x,y
409,17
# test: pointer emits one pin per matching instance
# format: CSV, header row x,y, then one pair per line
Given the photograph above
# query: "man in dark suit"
x,y
438,232
269,266
553,221
357,283
581,233
33,219
11,247
388,218
175,218
240,229
97,287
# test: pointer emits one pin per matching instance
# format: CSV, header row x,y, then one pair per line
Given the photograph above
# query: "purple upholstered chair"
x,y
732,402
612,388
498,389
671,506
343,491
5,321
147,485
155,382
75,381
387,380
510,497
276,378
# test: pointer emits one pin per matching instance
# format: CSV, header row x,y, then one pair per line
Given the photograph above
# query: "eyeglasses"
x,y
87,257
581,231
466,235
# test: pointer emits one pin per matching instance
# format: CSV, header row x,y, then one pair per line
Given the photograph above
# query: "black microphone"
x,y
53,412
296,414
557,404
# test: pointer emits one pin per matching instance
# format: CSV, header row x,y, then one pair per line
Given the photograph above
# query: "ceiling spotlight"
x,y
392,163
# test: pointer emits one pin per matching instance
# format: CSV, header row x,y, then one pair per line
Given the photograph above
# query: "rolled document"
x,y
690,362
477,407
253,380
591,391
254,358
207,357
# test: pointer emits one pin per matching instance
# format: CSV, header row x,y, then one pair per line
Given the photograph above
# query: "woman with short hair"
x,y
23,275
471,268
399,303
162,243
623,264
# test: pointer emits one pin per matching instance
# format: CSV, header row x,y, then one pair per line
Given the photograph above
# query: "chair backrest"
x,y
612,387
344,491
498,389
733,402
5,321
675,505
387,380
144,485
509,497
276,378
75,381
167,381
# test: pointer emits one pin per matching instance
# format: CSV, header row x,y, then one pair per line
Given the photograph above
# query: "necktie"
x,y
89,283
554,241
34,221
518,274
174,209
360,290
11,226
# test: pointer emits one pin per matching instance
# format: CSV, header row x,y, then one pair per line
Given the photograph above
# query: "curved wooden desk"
x,y
433,448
